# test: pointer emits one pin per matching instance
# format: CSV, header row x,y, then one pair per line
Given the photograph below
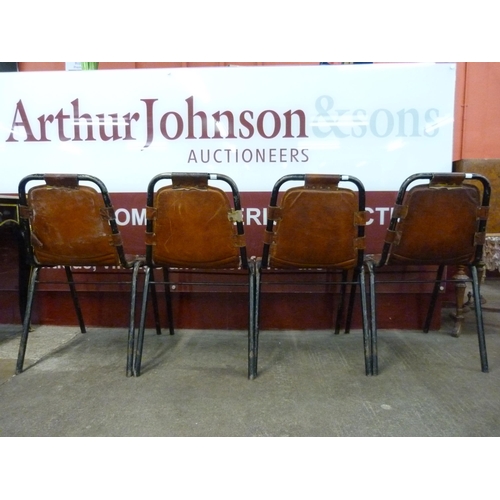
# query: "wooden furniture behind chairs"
x,y
68,220
438,223
9,222
316,234
491,253
490,168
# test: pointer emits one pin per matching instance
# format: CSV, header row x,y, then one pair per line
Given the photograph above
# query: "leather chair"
x,y
438,220
192,230
315,228
68,220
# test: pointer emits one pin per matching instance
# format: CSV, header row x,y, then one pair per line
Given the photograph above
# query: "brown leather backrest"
x,y
69,226
316,228
438,224
193,227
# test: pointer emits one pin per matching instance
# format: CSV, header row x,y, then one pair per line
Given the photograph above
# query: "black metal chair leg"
x,y
479,319
366,326
257,292
142,325
27,320
131,329
251,320
373,319
74,296
434,297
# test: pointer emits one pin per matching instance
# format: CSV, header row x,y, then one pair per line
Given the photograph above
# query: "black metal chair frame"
x,y
348,278
246,268
377,267
133,265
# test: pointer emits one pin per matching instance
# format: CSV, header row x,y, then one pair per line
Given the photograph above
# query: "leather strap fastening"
x,y
239,240
67,180
268,237
150,238
360,218
107,213
189,181
360,243
274,213
116,240
151,213
447,180
25,212
318,181
400,211
393,237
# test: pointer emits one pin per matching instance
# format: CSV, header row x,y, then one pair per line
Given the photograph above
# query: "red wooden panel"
x,y
41,66
117,65
143,65
481,122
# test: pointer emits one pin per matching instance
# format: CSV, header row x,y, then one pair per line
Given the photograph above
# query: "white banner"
x,y
379,122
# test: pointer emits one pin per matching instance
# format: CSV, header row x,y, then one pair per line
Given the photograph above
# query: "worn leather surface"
x,y
192,229
317,228
439,226
69,226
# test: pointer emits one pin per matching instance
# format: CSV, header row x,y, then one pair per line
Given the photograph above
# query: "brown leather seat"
x,y
438,220
192,229
67,223
316,228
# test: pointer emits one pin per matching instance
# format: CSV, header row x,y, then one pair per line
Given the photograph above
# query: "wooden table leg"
x,y
461,283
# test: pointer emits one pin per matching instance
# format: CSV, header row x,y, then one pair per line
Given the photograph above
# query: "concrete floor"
x,y
309,384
